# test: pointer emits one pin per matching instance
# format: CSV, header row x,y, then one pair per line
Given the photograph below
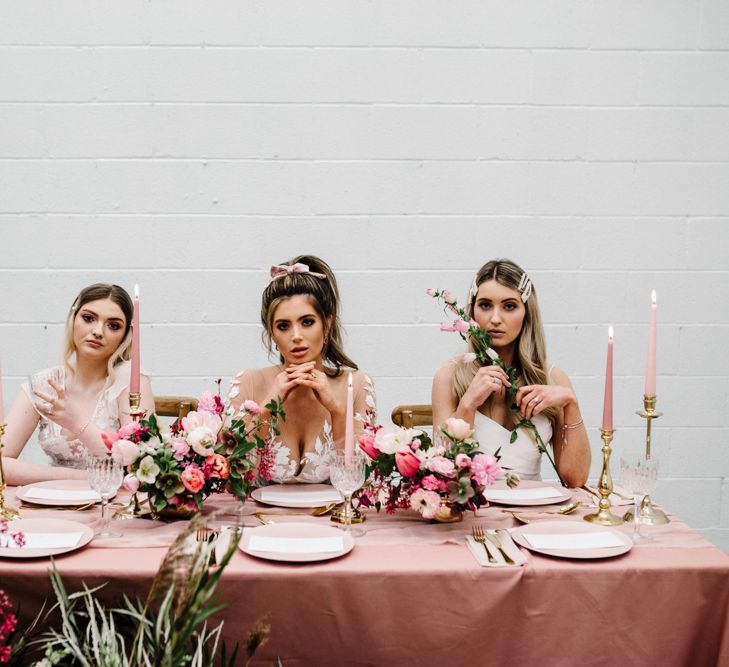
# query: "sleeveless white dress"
x,y
72,453
520,456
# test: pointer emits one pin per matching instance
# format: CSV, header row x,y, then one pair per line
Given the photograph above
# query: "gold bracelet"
x,y
575,425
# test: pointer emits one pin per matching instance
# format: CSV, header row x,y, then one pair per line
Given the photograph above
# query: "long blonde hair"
x,y
324,296
93,293
530,359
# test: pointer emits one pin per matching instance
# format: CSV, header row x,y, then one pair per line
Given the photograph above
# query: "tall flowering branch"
x,y
480,340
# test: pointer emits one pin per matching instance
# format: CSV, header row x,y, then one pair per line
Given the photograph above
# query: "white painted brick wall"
x,y
188,145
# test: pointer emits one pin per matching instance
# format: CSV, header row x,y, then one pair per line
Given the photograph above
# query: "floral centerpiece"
x,y
201,455
485,355
439,480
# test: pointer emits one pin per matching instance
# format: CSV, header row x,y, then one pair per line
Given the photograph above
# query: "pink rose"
x,y
485,469
109,439
442,466
131,483
129,430
460,326
407,463
449,297
192,479
252,407
126,451
219,466
457,429
367,445
463,461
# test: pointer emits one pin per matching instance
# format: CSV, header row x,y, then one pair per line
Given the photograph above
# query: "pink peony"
x,y
219,466
407,463
425,502
180,449
131,483
126,451
197,419
252,407
128,430
207,403
485,469
460,325
367,445
192,479
109,439
432,483
442,466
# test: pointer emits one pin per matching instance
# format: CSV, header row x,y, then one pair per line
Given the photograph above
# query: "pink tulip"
x,y
407,463
131,483
460,325
367,445
109,439
447,326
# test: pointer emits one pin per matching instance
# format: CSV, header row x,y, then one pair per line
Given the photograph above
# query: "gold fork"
x,y
480,537
206,535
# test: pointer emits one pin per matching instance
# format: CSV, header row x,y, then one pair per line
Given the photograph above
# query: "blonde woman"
x,y
90,392
503,301
300,317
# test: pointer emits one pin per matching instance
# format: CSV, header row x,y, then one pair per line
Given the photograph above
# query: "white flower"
x,y
202,440
457,429
148,470
492,353
397,439
126,451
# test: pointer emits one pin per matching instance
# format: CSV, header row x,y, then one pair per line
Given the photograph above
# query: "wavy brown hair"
x,y
530,359
323,294
93,293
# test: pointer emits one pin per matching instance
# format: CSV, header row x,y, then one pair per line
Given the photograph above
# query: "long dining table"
x,y
412,593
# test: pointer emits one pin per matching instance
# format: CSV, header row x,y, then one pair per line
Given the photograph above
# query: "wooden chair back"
x,y
174,406
409,416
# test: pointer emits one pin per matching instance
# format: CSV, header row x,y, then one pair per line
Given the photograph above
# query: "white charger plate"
x,y
60,485
567,526
297,495
290,534
46,526
564,494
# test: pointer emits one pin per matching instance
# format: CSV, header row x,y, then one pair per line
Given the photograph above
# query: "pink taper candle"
x,y
650,367
607,407
349,425
2,414
134,380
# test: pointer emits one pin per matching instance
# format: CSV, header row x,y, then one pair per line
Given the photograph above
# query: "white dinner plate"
x,y
53,529
529,493
59,493
296,542
568,535
297,495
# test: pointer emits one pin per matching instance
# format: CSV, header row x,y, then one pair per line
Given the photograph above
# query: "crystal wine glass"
x,y
39,382
105,477
347,474
639,476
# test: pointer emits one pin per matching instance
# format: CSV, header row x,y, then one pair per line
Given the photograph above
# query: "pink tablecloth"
x,y
410,593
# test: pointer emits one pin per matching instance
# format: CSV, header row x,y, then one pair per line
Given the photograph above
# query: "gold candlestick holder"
x,y
605,486
6,513
649,514
339,515
133,509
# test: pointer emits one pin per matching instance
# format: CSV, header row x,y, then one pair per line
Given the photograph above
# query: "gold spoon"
x,y
567,509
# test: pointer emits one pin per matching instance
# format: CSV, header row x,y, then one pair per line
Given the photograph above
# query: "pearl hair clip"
x,y
525,287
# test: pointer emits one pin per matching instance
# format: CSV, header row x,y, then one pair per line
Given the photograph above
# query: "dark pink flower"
x,y
407,463
367,444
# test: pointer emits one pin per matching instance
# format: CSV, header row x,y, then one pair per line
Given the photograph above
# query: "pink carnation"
x,y
252,407
485,469
431,483
128,430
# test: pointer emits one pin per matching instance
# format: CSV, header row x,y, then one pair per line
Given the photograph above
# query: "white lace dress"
x,y
278,461
72,453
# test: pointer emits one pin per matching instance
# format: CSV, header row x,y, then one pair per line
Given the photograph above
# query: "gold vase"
x,y
174,513
448,512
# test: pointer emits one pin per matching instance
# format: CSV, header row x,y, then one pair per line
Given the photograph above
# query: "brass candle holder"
x,y
6,513
339,515
133,509
604,516
649,514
